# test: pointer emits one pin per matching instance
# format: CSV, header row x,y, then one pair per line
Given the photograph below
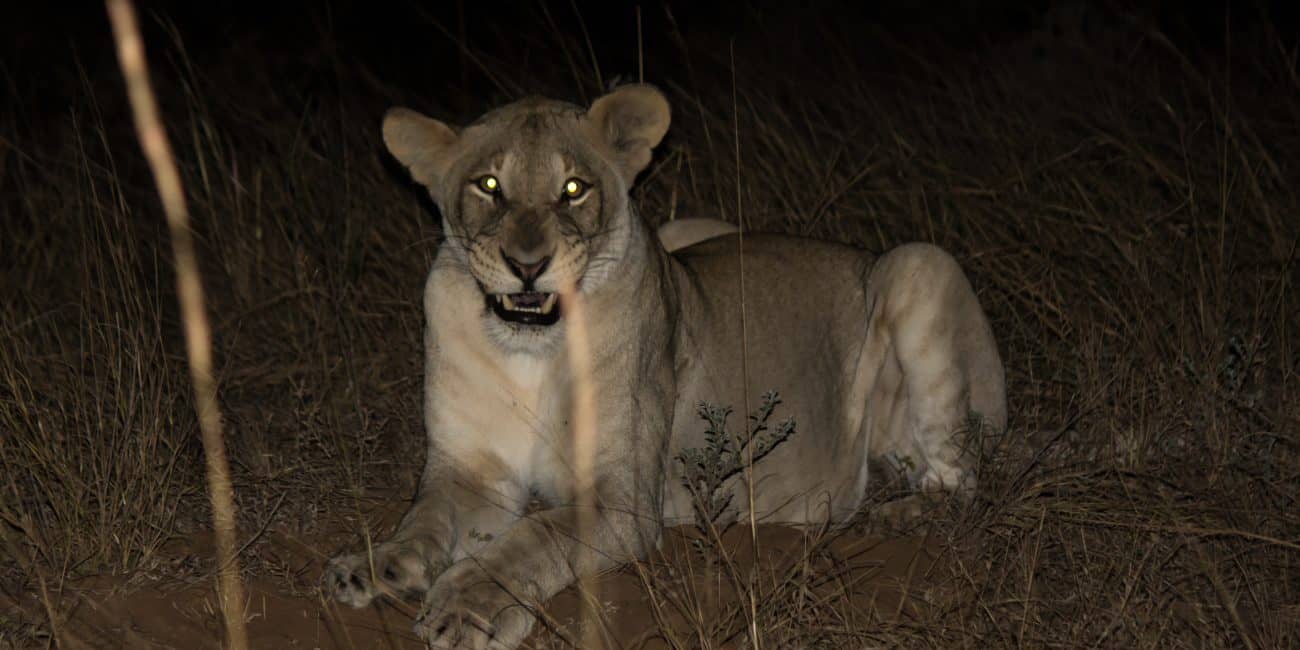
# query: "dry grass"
x,y
194,317
1131,227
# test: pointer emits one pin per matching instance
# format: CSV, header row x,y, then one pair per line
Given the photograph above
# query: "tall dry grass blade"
x,y
640,48
744,351
189,290
568,56
60,636
584,447
591,51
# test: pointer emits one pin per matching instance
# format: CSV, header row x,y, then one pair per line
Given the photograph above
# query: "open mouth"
x,y
526,308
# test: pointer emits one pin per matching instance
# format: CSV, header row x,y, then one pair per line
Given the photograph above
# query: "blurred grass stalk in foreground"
x,y
189,291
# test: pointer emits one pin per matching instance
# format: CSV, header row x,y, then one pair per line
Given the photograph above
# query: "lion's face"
x,y
534,196
536,210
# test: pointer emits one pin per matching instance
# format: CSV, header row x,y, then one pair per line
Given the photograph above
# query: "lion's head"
x,y
533,195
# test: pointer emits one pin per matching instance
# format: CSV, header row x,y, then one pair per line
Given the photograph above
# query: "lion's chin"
x,y
526,308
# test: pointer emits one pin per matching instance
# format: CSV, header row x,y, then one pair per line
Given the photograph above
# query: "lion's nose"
x,y
527,271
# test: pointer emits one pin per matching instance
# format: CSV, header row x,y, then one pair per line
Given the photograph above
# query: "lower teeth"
x,y
545,308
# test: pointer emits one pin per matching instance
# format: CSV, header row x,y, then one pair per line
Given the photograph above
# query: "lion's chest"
x,y
504,411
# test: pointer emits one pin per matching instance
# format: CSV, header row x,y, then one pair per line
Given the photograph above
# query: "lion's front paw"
x,y
347,580
468,609
402,569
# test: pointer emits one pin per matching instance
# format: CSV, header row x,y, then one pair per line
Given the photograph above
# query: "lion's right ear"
x,y
418,142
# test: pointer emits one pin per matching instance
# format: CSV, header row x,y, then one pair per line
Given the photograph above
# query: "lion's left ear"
x,y
631,120
418,142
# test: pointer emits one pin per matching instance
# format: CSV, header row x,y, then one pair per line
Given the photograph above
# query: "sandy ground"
x,y
871,572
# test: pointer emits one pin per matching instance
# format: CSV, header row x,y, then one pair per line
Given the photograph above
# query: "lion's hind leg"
x,y
938,365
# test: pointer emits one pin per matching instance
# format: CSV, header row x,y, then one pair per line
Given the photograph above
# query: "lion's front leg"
x,y
405,569
453,515
487,600
470,608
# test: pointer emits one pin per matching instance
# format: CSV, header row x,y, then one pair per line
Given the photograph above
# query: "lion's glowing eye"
x,y
488,184
574,189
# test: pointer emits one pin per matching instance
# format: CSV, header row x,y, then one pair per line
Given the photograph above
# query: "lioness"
x,y
871,360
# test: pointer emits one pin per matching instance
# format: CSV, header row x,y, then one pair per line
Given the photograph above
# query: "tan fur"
x,y
874,359
680,233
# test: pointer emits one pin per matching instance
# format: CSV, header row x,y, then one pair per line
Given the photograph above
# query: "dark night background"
x,y
412,46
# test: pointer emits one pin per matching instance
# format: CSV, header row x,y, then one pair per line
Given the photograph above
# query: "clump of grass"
x,y
98,450
706,469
